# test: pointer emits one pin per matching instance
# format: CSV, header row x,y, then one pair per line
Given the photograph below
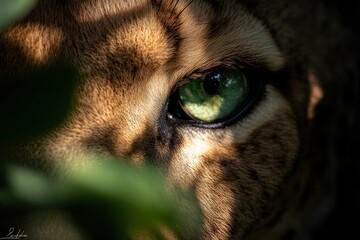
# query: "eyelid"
x,y
203,72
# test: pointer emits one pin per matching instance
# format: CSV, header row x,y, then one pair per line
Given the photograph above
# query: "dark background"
x,y
338,119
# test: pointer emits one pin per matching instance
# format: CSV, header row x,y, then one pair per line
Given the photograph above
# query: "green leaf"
x,y
29,186
13,10
106,197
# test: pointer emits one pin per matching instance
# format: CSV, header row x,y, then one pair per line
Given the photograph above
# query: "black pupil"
x,y
211,83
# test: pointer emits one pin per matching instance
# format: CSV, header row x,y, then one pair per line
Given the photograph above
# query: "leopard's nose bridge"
x,y
101,140
136,142
112,141
131,137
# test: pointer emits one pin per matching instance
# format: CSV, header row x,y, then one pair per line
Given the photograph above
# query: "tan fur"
x,y
37,42
129,65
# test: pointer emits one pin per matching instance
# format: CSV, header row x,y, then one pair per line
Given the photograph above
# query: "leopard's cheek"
x,y
236,171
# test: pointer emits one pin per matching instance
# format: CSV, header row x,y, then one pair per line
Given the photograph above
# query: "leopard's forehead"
x,y
137,35
119,39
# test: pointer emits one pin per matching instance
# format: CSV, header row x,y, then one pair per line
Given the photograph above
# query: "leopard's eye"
x,y
213,96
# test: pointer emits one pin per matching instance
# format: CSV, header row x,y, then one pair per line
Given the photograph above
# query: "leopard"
x,y
220,95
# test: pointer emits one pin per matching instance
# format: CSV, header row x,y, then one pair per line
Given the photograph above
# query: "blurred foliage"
x,y
105,197
13,10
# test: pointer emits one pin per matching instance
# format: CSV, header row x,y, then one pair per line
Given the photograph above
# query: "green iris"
x,y
214,96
